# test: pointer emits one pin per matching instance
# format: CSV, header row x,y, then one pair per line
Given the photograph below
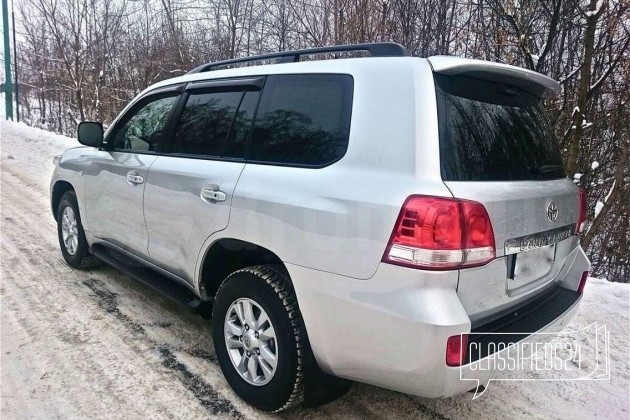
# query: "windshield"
x,y
493,132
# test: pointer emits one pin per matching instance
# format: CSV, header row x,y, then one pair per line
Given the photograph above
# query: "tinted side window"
x,y
205,123
143,128
237,143
303,119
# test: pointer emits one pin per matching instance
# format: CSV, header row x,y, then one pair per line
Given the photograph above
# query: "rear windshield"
x,y
493,132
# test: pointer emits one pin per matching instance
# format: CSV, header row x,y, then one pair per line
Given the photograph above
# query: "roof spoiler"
x,y
527,80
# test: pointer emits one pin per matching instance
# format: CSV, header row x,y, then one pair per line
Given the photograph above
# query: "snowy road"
x,y
94,344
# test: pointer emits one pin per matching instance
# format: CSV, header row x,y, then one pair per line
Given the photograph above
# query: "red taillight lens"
x,y
580,289
477,224
582,209
441,233
433,223
456,349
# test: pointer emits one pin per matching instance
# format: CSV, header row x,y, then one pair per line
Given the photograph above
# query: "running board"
x,y
163,285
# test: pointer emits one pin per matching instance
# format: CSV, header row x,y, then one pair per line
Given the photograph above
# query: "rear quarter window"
x,y
303,119
493,132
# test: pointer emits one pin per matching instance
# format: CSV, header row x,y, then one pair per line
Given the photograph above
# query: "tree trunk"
x,y
585,83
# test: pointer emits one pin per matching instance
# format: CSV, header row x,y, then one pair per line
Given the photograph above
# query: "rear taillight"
x,y
456,349
580,289
582,209
441,233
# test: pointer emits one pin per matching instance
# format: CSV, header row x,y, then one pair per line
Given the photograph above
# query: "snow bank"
x,y
30,134
32,148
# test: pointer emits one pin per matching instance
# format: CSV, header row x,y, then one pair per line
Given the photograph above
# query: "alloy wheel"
x,y
69,230
251,342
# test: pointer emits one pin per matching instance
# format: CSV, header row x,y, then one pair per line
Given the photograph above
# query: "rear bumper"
x,y
456,381
391,330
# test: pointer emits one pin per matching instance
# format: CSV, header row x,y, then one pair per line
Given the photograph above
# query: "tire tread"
x,y
281,285
87,260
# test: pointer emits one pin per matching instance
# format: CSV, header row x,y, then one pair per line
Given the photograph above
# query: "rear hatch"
x,y
497,148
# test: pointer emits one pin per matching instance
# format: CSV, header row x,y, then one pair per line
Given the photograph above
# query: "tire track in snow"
x,y
27,247
204,392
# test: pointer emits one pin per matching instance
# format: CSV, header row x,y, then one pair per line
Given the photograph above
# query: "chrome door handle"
x,y
209,194
134,179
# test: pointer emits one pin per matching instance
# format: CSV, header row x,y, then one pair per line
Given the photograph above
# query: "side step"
x,y
163,285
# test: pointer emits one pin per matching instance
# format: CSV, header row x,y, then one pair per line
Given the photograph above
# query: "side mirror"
x,y
90,133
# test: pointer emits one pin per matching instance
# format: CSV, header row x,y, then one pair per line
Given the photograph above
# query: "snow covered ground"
x,y
95,344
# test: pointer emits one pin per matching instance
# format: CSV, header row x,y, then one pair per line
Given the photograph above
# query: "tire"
x,y
75,251
269,288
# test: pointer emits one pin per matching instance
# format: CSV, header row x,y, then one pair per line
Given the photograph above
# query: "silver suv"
x,y
365,218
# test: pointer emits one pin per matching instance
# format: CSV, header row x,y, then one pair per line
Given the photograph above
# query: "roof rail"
x,y
379,49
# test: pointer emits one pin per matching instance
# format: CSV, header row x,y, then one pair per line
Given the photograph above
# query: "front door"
x,y
115,179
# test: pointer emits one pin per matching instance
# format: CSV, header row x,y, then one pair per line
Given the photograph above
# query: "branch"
x,y
593,88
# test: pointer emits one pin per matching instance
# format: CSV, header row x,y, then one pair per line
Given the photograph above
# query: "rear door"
x,y
497,148
189,190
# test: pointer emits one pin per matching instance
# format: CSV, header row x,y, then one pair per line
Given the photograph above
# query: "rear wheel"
x,y
258,332
72,242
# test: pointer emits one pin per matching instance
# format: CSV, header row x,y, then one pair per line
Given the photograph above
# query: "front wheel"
x,y
258,332
74,246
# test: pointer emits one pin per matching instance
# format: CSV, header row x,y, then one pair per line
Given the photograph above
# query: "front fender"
x,y
69,168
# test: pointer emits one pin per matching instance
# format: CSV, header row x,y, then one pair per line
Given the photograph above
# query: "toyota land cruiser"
x,y
363,218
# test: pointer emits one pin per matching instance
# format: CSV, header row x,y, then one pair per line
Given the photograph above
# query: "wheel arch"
x,y
226,255
58,190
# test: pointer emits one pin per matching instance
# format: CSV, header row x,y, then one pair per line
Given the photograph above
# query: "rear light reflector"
x,y
456,349
582,210
580,289
441,233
